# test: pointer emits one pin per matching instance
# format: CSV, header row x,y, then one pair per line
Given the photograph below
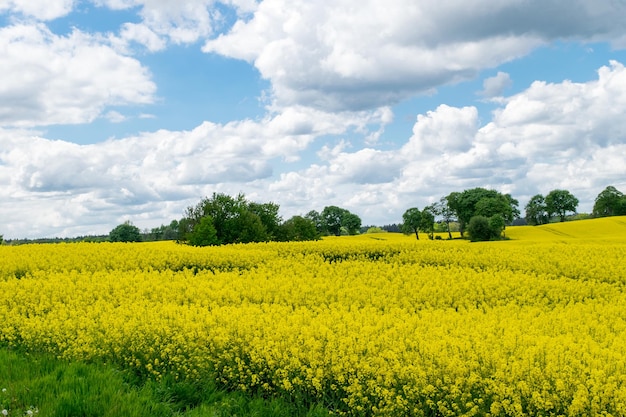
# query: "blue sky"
x,y
116,110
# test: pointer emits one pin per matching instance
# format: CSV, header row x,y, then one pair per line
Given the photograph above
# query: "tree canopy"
x,y
482,202
559,203
610,202
125,232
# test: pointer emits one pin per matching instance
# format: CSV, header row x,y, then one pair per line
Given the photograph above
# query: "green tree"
x,y
125,232
411,221
204,233
268,214
298,228
316,218
351,222
248,227
560,202
497,226
332,218
536,211
468,204
442,208
427,221
479,229
235,219
608,202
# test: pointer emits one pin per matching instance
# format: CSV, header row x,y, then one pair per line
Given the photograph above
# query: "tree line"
x,y
481,213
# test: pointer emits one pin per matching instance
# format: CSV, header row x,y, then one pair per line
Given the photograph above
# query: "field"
x,y
378,324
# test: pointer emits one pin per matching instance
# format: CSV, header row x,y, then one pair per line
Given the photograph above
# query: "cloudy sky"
x,y
116,110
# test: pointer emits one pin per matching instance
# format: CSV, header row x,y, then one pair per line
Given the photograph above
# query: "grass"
x,y
39,384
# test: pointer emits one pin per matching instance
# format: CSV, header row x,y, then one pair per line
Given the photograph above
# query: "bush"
x,y
479,229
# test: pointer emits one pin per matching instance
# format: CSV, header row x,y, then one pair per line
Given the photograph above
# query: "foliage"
x,y
234,218
298,228
610,202
375,229
125,232
479,229
559,203
536,211
480,201
203,233
333,219
411,221
442,209
427,221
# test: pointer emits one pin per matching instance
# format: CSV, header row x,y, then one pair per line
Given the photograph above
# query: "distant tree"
x,y
316,218
375,229
479,229
427,221
480,201
335,219
235,219
351,222
268,214
442,208
536,211
298,228
497,225
204,233
560,202
393,228
609,203
332,217
248,227
411,221
125,232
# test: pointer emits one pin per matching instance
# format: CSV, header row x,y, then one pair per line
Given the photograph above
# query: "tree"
x,y
427,222
608,203
470,203
479,229
559,202
536,211
442,208
298,228
351,222
316,218
497,226
411,221
204,233
332,217
482,228
125,232
234,218
268,214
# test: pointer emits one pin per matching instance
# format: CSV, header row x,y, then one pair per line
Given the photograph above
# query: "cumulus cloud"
x,y
346,56
495,86
39,9
51,79
563,135
154,174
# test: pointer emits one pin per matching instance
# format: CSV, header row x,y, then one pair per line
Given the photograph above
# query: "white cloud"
x,y
348,55
495,86
50,79
142,34
153,174
39,9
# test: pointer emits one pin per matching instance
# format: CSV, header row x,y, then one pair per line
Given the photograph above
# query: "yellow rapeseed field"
x,y
377,324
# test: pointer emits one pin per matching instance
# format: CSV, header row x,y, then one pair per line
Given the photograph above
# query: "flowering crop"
x,y
368,325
